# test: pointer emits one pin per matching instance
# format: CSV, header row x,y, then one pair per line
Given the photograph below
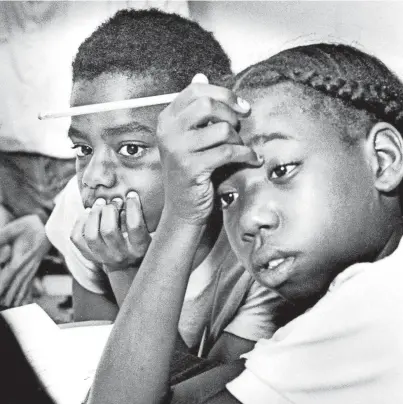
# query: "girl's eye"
x,y
82,151
228,198
282,170
131,150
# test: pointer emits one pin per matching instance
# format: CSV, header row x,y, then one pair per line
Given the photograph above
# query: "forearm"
x,y
121,281
135,364
89,306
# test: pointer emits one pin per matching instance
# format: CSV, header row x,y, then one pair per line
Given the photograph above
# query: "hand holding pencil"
x,y
196,135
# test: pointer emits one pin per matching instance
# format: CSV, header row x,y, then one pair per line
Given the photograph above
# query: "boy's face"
x,y
311,209
117,150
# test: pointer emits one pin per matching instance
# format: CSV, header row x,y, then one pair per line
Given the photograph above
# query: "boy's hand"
x,y
101,239
196,134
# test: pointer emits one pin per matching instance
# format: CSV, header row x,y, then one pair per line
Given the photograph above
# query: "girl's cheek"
x,y
231,227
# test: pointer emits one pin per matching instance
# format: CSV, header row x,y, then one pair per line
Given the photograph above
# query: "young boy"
x,y
310,192
136,54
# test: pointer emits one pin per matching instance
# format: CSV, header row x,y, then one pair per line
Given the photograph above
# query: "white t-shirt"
x,y
347,349
220,294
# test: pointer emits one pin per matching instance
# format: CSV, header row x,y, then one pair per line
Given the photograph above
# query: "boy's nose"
x,y
258,213
99,172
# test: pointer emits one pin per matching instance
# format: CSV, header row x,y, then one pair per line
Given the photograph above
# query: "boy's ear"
x,y
386,144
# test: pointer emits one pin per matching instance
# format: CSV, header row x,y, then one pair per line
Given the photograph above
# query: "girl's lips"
x,y
275,271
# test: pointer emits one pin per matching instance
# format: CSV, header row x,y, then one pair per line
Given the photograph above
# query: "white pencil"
x,y
115,105
110,106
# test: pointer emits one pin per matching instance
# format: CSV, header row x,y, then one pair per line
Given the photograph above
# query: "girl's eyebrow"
x,y
263,138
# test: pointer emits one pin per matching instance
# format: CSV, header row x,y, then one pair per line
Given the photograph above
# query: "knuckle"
x,y
205,104
193,90
107,231
133,226
228,152
91,238
119,259
224,129
35,220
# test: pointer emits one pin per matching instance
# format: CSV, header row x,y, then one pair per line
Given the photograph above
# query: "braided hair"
x,y
341,72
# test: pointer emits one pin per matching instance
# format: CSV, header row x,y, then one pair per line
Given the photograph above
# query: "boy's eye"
x,y
282,170
82,150
131,150
228,198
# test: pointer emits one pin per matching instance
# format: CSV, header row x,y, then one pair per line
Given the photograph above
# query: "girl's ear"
x,y
386,145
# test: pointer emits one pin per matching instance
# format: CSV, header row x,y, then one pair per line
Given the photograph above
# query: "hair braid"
x,y
345,73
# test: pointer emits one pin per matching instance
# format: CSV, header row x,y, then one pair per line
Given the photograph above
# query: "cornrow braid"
x,y
338,71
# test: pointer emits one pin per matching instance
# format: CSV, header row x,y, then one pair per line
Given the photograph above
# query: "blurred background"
x,y
38,41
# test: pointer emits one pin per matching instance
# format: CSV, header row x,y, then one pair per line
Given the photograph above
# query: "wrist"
x,y
173,221
184,218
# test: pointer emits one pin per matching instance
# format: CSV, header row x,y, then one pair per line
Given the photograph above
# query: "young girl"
x,y
309,188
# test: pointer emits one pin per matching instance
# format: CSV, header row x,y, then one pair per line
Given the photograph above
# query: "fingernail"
x,y
100,202
118,202
200,78
243,104
132,194
259,159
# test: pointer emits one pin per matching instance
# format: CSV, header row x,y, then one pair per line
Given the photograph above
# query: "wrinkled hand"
x,y
196,134
99,233
23,245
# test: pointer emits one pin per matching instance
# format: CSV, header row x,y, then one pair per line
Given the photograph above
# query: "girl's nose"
x,y
100,171
258,212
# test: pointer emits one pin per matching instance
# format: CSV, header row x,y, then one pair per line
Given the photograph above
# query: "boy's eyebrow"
x,y
129,127
73,132
263,138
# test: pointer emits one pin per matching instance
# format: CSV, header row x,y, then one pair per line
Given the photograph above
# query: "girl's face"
x,y
311,209
117,150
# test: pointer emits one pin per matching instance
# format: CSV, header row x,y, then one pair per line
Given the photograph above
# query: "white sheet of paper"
x,y
65,360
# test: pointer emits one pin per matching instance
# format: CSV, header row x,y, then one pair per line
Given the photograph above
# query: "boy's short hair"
x,y
151,42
